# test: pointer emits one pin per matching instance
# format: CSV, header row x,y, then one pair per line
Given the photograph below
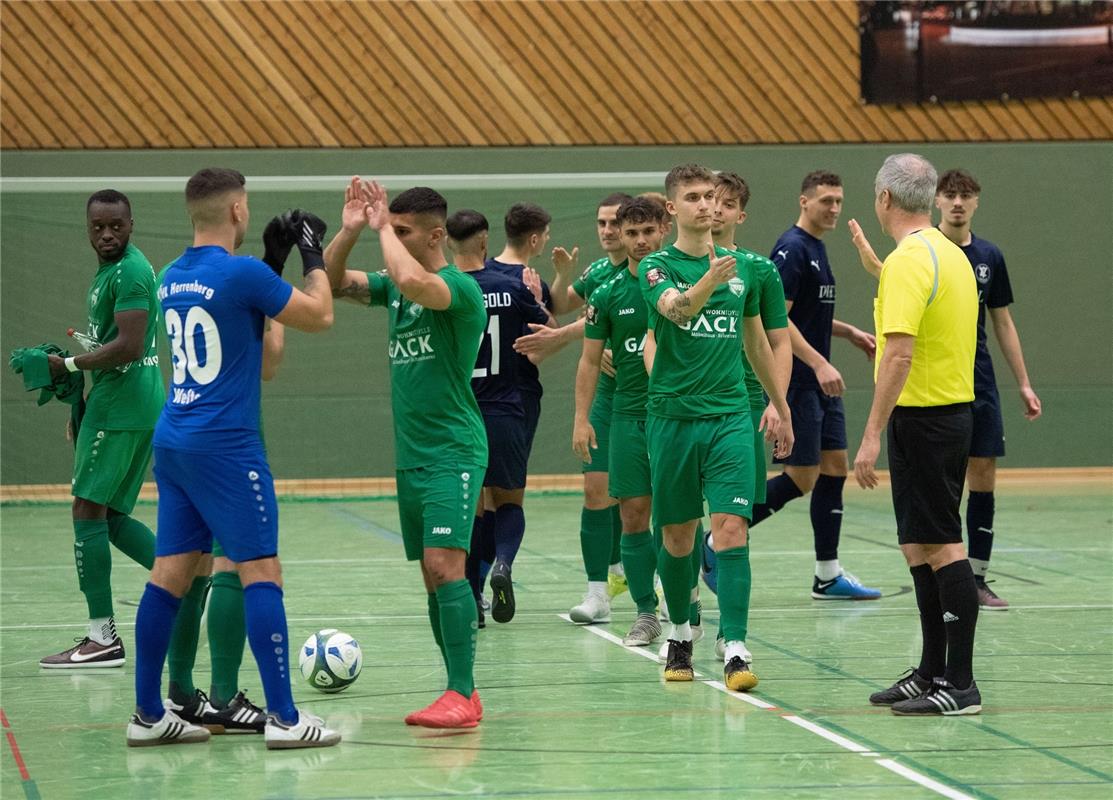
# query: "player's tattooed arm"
x,y
679,307
353,286
675,306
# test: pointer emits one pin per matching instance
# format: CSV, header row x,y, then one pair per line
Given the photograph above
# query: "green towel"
x,y
32,363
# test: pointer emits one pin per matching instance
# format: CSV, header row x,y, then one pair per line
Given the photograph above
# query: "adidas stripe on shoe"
x,y
308,731
171,729
942,699
908,686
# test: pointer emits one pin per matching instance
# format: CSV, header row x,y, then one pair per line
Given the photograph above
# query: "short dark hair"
x,y
819,177
212,181
465,224
639,210
734,185
958,181
685,173
420,200
108,197
524,219
613,199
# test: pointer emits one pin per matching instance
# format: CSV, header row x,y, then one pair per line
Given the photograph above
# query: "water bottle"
x,y
88,343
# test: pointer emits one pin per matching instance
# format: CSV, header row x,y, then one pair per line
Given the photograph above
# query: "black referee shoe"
x,y
942,699
908,686
502,592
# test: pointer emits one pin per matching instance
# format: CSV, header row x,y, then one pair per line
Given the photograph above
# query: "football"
x,y
330,660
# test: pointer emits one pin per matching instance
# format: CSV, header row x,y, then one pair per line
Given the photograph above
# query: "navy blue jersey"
x,y
214,305
510,307
994,291
529,379
809,285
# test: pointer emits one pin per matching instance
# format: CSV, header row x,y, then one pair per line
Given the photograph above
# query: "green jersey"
x,y
771,300
432,354
697,371
616,313
597,273
129,397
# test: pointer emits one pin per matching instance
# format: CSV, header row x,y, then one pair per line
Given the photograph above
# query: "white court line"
x,y
503,180
807,725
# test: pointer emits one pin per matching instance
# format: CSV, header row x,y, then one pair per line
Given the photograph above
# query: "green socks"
x,y
596,530
697,565
734,592
616,535
435,624
183,639
227,631
132,538
676,580
639,559
456,606
94,565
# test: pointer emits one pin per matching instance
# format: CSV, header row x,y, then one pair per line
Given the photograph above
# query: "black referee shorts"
x,y
928,448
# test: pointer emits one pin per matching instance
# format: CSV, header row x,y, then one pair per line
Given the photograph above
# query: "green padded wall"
x,y
328,414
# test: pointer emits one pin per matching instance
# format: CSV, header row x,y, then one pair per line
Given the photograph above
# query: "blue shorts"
x,y
818,422
989,428
229,496
508,444
531,403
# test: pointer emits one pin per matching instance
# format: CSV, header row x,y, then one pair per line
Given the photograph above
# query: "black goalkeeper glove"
x,y
278,239
310,232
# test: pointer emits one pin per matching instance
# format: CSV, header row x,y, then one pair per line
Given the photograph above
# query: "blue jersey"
x,y
529,379
510,307
994,291
214,305
809,285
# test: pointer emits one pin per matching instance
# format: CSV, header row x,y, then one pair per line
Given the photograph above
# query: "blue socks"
x,y
510,529
778,491
154,623
979,530
266,632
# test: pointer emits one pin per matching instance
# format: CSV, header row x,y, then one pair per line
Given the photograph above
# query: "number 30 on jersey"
x,y
183,345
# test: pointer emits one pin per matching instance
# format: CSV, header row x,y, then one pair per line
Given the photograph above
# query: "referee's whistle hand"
x,y
864,463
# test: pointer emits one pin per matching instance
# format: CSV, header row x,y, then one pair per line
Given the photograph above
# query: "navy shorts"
x,y
229,496
508,446
927,467
531,403
818,422
989,428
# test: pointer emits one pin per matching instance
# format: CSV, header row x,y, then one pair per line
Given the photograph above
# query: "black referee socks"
x,y
958,596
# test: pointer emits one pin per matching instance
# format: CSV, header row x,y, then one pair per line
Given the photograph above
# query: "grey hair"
x,y
910,180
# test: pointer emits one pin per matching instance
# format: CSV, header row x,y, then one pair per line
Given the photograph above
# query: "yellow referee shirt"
x,y
928,290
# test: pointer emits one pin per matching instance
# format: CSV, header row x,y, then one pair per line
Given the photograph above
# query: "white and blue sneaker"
x,y
843,587
709,568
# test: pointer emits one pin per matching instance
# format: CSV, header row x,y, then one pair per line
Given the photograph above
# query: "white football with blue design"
x,y
330,660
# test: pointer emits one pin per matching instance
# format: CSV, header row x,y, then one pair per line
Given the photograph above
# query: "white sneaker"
x,y
594,608
645,631
171,729
309,731
697,634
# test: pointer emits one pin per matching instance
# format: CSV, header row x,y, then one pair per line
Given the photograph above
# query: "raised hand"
x,y
278,239
353,217
870,262
376,210
532,280
310,232
565,263
723,268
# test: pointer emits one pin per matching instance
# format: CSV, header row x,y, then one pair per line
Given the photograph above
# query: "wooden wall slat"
x,y
372,73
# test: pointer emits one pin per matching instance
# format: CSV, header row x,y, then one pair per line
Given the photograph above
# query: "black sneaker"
x,y
502,592
908,686
86,653
193,710
941,699
738,675
678,664
239,716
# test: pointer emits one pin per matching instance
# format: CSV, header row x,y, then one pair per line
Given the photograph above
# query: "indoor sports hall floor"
x,y
570,713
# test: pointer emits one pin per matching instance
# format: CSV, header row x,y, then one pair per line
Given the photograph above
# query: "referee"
x,y
926,316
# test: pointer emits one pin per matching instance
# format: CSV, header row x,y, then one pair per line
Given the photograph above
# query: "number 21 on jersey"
x,y
493,332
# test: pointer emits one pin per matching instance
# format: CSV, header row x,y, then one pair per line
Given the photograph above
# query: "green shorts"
x,y
109,466
600,418
760,459
693,459
437,505
629,474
